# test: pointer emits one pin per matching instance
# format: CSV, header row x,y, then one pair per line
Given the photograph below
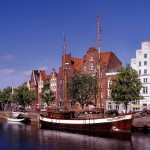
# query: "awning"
x,y
136,106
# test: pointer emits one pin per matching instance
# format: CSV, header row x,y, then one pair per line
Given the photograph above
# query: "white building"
x,y
142,64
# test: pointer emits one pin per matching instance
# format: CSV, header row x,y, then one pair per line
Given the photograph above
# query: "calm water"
x,y
18,136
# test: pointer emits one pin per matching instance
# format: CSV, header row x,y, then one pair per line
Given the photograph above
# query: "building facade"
x,y
142,65
88,65
36,83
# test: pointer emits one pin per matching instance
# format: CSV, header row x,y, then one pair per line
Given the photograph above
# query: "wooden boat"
x,y
116,127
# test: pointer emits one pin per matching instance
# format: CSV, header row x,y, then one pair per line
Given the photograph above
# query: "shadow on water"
x,y
30,137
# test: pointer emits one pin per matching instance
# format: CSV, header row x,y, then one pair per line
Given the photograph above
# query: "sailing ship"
x,y
59,119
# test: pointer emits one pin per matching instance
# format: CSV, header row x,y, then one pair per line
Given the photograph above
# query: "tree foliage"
x,y
126,86
47,95
24,96
81,88
5,95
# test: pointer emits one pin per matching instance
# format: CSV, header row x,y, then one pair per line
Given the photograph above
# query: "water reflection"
x,y
18,136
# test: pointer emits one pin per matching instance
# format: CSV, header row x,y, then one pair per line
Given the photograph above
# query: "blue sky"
x,y
31,32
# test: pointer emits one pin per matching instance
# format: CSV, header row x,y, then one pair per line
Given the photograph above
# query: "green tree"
x,y
47,95
5,95
81,88
24,96
126,86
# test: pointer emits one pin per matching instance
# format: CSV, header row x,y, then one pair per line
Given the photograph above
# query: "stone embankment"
x,y
141,123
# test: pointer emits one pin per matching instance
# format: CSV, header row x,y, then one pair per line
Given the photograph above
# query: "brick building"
x,y
88,64
36,83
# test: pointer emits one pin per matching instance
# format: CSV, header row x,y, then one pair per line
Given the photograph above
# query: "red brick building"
x,y
87,64
36,83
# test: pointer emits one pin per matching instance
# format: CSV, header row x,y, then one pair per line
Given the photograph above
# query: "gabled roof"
x,y
77,63
105,56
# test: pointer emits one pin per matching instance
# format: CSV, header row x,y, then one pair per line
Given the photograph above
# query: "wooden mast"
x,y
99,67
65,76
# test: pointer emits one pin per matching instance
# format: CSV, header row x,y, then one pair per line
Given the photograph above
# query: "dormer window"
x,y
91,59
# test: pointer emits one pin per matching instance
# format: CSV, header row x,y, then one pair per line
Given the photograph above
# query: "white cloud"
x,y
27,73
7,57
44,68
6,71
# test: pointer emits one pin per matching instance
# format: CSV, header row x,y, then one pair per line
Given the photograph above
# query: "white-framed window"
x,y
109,106
109,83
91,67
145,90
145,71
91,59
139,71
145,80
145,55
139,63
109,93
145,63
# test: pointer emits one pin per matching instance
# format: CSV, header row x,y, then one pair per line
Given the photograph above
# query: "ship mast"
x,y
99,67
65,75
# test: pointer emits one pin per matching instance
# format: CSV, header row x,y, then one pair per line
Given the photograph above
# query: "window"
x,y
144,80
145,63
145,55
145,71
145,90
91,67
145,105
139,63
91,59
109,93
109,106
117,106
140,71
85,68
109,83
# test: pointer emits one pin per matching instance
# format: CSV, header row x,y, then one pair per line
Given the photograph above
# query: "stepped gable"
x,y
42,74
34,77
91,49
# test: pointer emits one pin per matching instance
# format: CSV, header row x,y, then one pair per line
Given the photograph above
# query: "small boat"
x,y
17,117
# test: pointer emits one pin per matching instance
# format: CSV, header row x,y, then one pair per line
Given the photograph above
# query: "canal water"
x,y
19,136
